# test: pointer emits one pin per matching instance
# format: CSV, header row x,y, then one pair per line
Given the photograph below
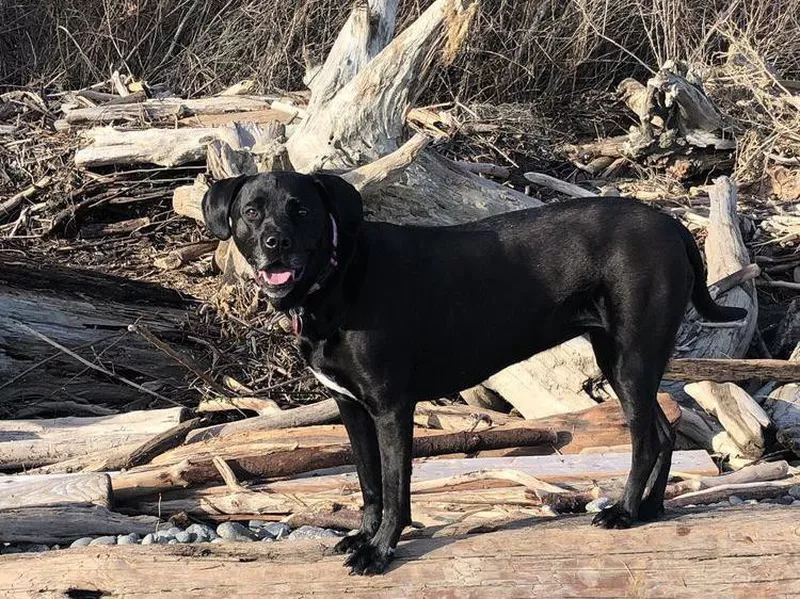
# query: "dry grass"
x,y
515,51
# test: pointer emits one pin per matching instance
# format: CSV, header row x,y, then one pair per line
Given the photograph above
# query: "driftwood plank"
x,y
30,443
737,552
41,490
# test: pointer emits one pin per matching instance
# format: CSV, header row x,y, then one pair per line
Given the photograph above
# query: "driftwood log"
x,y
732,552
783,407
80,310
31,443
272,454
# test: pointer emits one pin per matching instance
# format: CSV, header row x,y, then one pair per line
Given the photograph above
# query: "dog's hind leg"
x,y
653,504
364,442
636,385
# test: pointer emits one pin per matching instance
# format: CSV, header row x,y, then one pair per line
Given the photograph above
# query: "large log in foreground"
x,y
734,552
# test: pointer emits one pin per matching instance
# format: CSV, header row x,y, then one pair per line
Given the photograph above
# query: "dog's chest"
x,y
331,384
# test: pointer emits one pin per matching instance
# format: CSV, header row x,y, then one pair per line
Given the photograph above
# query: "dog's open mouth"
x,y
278,276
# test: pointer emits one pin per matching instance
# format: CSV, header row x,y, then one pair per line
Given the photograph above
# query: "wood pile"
x,y
186,410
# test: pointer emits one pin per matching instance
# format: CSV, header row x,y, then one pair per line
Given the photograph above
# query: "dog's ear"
x,y
217,205
343,200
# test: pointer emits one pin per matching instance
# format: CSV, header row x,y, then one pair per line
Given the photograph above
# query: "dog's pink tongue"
x,y
279,277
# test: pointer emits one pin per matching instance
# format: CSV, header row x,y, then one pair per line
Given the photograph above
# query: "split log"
x,y
734,551
281,453
739,414
31,443
65,523
261,405
723,370
166,111
24,491
783,406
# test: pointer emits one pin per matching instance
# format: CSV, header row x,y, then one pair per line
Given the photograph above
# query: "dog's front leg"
x,y
394,429
366,455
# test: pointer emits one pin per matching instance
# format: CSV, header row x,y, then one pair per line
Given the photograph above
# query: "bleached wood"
x,y
783,407
166,110
65,523
30,443
23,490
739,414
748,551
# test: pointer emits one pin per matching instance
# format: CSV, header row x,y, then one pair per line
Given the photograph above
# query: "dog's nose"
x,y
272,242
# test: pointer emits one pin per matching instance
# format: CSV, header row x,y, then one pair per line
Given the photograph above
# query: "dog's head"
x,y
286,225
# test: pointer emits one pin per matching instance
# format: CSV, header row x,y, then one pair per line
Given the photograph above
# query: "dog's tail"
x,y
701,298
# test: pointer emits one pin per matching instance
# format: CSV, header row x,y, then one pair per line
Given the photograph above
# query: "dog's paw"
x,y
613,517
351,543
368,559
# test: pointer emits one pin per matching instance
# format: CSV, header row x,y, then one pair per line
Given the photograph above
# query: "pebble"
x,y
82,542
267,540
218,540
786,500
796,502
598,505
163,536
172,542
256,524
149,539
751,501
233,531
202,532
107,540
734,500
277,530
185,537
174,531
129,539
311,532
795,491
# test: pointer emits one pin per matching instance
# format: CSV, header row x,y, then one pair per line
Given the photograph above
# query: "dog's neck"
x,y
318,315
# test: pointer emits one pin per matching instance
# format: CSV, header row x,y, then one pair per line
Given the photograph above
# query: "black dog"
x,y
390,315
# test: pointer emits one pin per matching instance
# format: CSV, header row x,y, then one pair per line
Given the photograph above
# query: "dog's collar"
x,y
333,260
332,264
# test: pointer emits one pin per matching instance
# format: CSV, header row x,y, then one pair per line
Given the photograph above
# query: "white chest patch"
x,y
331,384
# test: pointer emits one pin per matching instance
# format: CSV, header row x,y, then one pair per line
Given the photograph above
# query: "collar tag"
x,y
297,322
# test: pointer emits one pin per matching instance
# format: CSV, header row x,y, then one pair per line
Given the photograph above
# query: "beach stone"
x,y
149,539
278,530
233,531
184,537
734,500
106,540
82,542
311,532
795,491
202,532
129,539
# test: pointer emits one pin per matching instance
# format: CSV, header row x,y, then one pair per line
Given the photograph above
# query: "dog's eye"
x,y
251,214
